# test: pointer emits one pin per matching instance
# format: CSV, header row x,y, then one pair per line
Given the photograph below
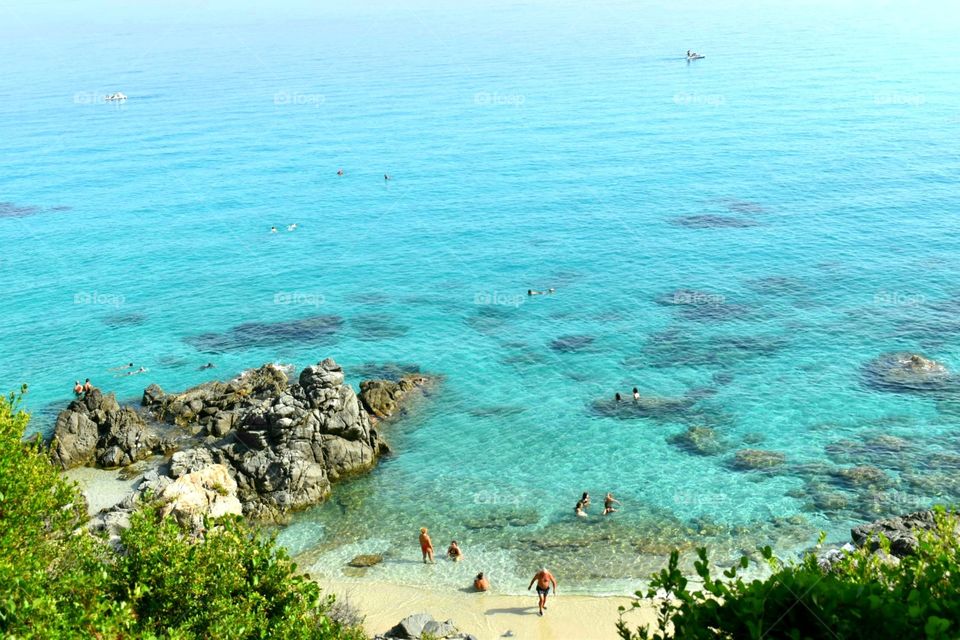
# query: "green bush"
x,y
864,595
58,581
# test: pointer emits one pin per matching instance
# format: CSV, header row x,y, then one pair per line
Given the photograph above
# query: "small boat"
x,y
695,56
116,97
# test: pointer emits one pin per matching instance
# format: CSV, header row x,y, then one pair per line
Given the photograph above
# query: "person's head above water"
x,y
585,495
423,529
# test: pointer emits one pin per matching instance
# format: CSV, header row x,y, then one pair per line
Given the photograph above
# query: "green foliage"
x,y
58,581
864,596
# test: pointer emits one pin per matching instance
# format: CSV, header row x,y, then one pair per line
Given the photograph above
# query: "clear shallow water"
x,y
568,147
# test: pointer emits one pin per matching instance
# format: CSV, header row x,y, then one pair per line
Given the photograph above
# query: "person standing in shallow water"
x,y
608,503
453,552
426,545
544,580
636,393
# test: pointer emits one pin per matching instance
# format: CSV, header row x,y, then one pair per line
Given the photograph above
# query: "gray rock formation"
x,y
419,625
903,371
97,430
383,398
901,531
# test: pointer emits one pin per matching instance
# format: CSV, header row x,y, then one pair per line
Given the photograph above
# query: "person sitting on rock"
x,y
453,552
480,583
87,386
77,389
426,545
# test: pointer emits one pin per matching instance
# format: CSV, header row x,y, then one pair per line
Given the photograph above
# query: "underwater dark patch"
x,y
377,327
313,329
572,344
711,221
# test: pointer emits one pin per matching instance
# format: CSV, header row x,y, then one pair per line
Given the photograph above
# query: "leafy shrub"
x,y
864,595
58,581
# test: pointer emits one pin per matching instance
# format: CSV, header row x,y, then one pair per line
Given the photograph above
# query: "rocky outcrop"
x,y
421,625
95,429
699,440
900,531
214,407
383,398
209,492
903,371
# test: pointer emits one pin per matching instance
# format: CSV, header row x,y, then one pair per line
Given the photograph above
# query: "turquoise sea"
x,y
798,187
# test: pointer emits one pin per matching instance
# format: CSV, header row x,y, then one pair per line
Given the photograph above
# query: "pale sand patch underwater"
x,y
103,488
490,616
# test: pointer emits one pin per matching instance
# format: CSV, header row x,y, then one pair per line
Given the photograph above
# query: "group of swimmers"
x,y
534,292
385,176
636,395
290,227
128,370
584,502
543,578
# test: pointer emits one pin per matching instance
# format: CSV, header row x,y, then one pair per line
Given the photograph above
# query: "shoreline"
x,y
490,615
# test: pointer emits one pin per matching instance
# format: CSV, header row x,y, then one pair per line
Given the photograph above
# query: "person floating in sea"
x,y
138,371
544,580
386,177
273,229
454,552
608,503
339,172
77,389
129,365
87,386
636,393
209,365
291,227
480,583
426,546
618,397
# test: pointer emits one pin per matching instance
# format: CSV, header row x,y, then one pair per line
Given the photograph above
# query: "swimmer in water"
x,y
209,365
386,177
453,552
129,365
273,229
339,172
140,370
608,503
618,397
636,393
291,227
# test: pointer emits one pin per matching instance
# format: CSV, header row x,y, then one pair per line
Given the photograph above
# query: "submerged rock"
x,y
904,371
712,221
699,440
383,398
365,560
757,459
96,429
572,344
311,329
862,476
644,407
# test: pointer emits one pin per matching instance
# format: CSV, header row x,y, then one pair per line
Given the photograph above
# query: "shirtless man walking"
x,y
544,579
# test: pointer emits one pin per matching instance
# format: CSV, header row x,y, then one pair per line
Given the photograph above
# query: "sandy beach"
x,y
489,616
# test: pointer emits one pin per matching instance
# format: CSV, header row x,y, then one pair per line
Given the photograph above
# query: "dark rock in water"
x,y
862,476
117,320
745,206
901,531
96,429
644,407
491,318
386,371
757,459
13,210
675,348
313,329
722,378
378,327
699,440
903,371
711,221
779,286
383,398
366,560
495,412
572,344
